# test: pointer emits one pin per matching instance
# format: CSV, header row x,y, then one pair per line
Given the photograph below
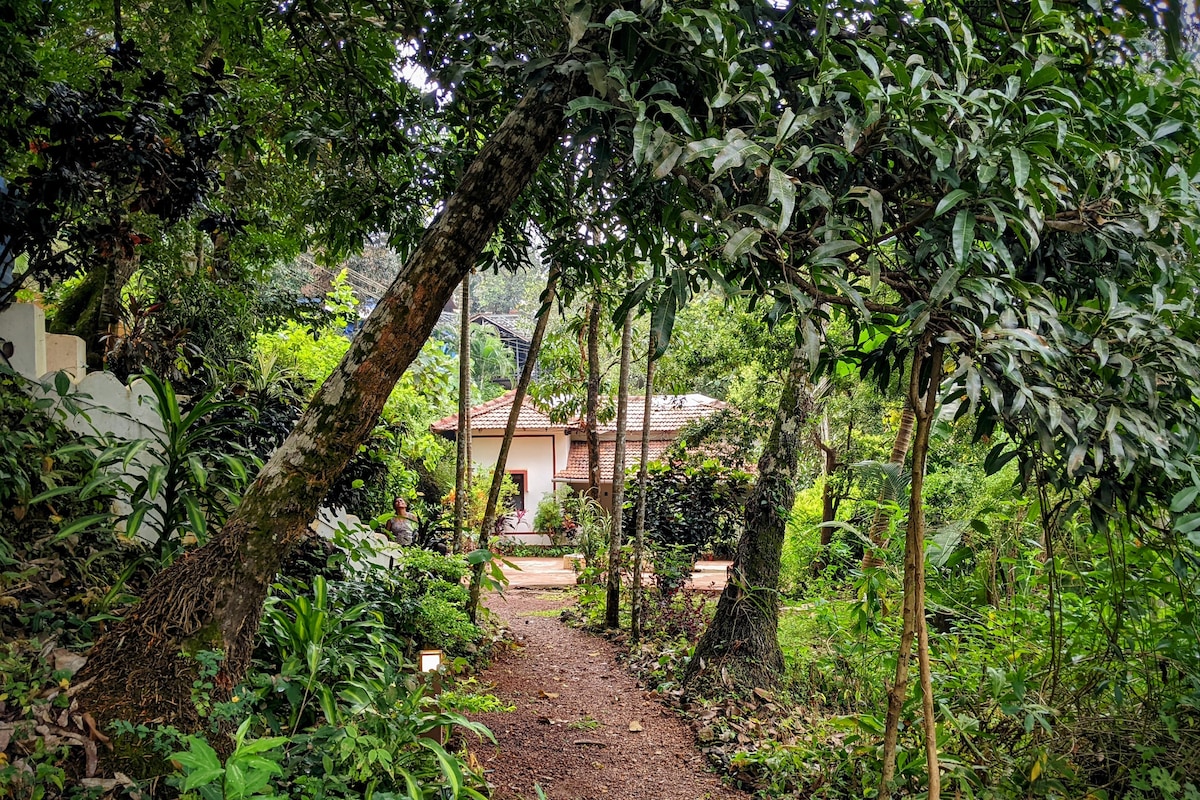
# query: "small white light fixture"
x,y
429,660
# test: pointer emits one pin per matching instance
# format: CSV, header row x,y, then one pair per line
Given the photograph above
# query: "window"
x,y
517,501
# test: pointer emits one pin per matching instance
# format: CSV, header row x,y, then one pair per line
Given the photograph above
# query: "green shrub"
x,y
60,561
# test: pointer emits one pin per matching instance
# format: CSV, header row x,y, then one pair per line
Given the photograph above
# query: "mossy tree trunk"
x,y
212,598
740,649
612,598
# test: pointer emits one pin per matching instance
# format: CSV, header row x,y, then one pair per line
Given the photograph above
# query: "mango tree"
x,y
1007,192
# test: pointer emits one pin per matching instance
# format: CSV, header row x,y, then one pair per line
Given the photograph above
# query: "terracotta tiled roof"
x,y
577,458
494,415
669,413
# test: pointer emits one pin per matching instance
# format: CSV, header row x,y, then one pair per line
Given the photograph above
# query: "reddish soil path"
x,y
570,732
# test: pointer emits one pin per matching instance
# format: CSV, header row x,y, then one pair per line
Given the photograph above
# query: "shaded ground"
x,y
570,733
550,573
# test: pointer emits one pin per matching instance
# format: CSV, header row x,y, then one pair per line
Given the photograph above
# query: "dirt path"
x,y
570,732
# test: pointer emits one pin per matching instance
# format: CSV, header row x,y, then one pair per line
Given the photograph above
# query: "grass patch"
x,y
584,724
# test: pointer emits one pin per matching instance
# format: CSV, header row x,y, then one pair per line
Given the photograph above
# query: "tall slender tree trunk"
x,y
829,465
877,533
510,428
742,642
928,356
593,396
463,463
639,524
212,598
612,599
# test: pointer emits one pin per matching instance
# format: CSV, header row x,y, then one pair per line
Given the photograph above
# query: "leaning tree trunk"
x,y
928,355
510,428
877,533
742,643
212,598
612,599
639,522
463,460
593,397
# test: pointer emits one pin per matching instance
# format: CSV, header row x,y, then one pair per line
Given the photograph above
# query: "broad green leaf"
x,y
619,16
662,321
1184,499
681,117
951,199
741,242
643,135
667,160
580,103
963,236
811,339
783,190
832,250
577,22
235,781
945,283
1020,162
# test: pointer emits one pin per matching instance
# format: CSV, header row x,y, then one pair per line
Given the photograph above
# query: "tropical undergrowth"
x,y
1063,660
1067,670
333,705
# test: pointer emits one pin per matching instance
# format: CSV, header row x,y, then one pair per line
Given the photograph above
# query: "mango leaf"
x,y
1020,163
619,16
662,321
962,236
580,103
1184,498
643,135
948,202
740,243
832,250
783,190
668,160
577,22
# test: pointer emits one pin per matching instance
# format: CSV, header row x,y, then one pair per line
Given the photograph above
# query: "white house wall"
x,y
539,455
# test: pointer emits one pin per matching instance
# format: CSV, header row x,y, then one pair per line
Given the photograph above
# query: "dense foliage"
x,y
332,707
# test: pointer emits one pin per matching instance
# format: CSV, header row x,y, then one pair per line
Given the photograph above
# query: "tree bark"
x,y
829,465
212,598
877,533
510,428
463,460
612,600
639,525
742,643
593,397
929,353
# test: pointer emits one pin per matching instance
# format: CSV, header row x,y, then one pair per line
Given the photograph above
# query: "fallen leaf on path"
x,y
635,726
549,695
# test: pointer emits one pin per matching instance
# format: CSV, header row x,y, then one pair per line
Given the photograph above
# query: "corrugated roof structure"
x,y
576,470
494,415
